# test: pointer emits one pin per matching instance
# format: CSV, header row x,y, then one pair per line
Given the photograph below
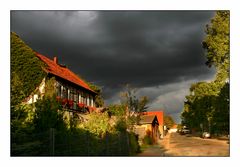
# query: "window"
x,y
64,92
87,100
92,105
79,97
58,89
82,97
75,99
69,94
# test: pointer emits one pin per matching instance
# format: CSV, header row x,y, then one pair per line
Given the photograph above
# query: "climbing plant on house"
x,y
26,70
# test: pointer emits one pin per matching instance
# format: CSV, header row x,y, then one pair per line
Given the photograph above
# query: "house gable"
x,y
148,119
159,115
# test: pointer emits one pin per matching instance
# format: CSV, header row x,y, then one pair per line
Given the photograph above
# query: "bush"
x,y
134,145
116,110
97,124
121,125
48,114
148,139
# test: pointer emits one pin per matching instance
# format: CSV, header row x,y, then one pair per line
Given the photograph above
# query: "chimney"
x,y
55,59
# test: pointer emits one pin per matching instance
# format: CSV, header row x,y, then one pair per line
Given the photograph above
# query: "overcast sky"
x,y
158,52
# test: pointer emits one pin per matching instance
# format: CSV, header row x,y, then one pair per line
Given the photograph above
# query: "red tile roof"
x,y
159,115
62,72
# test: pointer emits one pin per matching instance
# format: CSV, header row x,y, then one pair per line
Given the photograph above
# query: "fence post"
x,y
107,149
88,143
128,147
52,141
119,144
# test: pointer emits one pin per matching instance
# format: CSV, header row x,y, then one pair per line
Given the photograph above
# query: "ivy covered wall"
x,y
26,70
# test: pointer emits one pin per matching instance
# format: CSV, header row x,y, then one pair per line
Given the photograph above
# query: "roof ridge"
x,y
75,75
63,72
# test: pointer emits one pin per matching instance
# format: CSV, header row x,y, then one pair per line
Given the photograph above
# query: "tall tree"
x,y
133,103
216,43
208,103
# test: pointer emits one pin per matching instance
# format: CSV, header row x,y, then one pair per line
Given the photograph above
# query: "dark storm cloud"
x,y
112,48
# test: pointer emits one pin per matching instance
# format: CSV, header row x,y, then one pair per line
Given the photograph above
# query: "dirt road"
x,y
184,145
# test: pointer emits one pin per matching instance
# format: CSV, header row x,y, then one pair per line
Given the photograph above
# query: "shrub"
x,y
97,124
121,125
147,138
134,145
116,110
48,114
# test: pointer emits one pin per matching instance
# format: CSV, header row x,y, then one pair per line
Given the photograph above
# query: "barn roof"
x,y
159,115
63,72
147,119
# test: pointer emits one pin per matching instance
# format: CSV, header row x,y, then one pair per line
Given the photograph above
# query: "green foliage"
x,y
132,121
50,89
98,123
217,39
147,140
168,121
220,117
30,125
95,138
21,119
124,123
26,70
142,104
48,114
116,109
133,103
133,143
208,103
121,125
217,42
17,94
209,107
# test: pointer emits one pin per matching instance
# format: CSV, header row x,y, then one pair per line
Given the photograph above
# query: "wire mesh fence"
x,y
81,143
24,144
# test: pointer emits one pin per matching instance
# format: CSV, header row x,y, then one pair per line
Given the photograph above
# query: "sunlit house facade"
x,y
72,92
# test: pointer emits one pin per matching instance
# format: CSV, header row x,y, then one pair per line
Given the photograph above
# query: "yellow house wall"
x,y
160,127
